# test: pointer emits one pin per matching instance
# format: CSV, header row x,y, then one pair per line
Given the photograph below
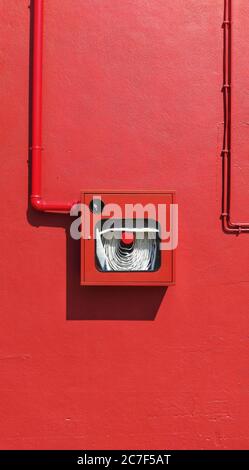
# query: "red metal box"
x,y
128,238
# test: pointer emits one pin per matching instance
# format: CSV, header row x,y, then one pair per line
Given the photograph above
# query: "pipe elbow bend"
x,y
37,203
228,227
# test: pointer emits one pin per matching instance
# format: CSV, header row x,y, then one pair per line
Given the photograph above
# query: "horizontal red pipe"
x,y
227,224
36,197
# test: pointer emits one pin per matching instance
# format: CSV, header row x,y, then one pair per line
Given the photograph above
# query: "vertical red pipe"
x,y
37,99
37,200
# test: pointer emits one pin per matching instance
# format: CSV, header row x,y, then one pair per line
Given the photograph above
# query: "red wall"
x,y
131,100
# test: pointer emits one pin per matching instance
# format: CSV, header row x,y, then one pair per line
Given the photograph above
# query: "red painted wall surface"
x,y
131,100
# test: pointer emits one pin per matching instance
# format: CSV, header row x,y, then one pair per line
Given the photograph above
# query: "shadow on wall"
x,y
90,303
100,302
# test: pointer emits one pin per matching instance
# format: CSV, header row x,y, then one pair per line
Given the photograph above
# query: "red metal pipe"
x,y
228,225
36,198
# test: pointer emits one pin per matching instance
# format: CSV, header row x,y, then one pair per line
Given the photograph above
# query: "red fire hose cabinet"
x,y
128,238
